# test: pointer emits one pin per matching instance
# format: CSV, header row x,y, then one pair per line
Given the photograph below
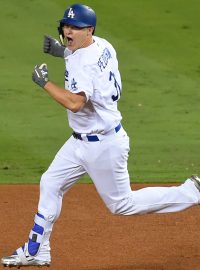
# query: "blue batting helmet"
x,y
79,15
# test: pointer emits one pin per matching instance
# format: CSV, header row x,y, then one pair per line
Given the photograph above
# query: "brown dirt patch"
x,y
88,237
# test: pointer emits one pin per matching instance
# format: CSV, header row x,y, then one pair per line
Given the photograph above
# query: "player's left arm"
x,y
72,101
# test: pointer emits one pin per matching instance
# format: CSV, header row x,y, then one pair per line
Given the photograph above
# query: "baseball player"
x,y
99,145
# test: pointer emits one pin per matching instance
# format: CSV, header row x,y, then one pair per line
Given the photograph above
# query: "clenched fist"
x,y
40,75
53,47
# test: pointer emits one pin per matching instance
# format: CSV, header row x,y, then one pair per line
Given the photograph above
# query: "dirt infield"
x,y
88,237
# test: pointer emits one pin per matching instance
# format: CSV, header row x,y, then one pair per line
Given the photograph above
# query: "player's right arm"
x,y
71,101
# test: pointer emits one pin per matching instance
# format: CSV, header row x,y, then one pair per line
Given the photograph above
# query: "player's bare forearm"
x,y
71,101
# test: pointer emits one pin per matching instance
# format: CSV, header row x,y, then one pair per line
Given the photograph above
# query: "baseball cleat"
x,y
22,258
14,261
196,181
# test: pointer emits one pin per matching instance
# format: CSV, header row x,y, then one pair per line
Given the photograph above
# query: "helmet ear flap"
x,y
61,34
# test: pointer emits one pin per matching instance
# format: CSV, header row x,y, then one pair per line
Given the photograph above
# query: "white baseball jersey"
x,y
94,70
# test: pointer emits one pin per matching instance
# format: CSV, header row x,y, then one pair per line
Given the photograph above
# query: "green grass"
x,y
158,49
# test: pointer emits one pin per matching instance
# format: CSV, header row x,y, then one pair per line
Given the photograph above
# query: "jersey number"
x,y
117,86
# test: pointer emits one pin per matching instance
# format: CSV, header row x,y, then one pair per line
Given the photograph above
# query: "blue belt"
x,y
93,138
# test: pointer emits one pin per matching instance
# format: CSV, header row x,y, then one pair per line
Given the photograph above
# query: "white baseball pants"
x,y
106,163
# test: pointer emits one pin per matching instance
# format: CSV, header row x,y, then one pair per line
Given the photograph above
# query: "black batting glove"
x,y
53,47
40,75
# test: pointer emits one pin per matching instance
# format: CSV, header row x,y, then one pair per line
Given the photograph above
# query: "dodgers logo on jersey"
x,y
71,13
73,85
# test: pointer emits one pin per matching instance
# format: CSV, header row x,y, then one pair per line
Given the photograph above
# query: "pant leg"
x,y
158,200
63,172
106,164
107,167
61,175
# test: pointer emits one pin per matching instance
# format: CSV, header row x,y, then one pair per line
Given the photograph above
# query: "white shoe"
x,y
196,181
22,258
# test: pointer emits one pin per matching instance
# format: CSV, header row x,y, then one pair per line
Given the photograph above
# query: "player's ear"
x,y
90,30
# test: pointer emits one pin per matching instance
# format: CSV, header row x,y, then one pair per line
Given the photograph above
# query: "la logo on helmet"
x,y
71,13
